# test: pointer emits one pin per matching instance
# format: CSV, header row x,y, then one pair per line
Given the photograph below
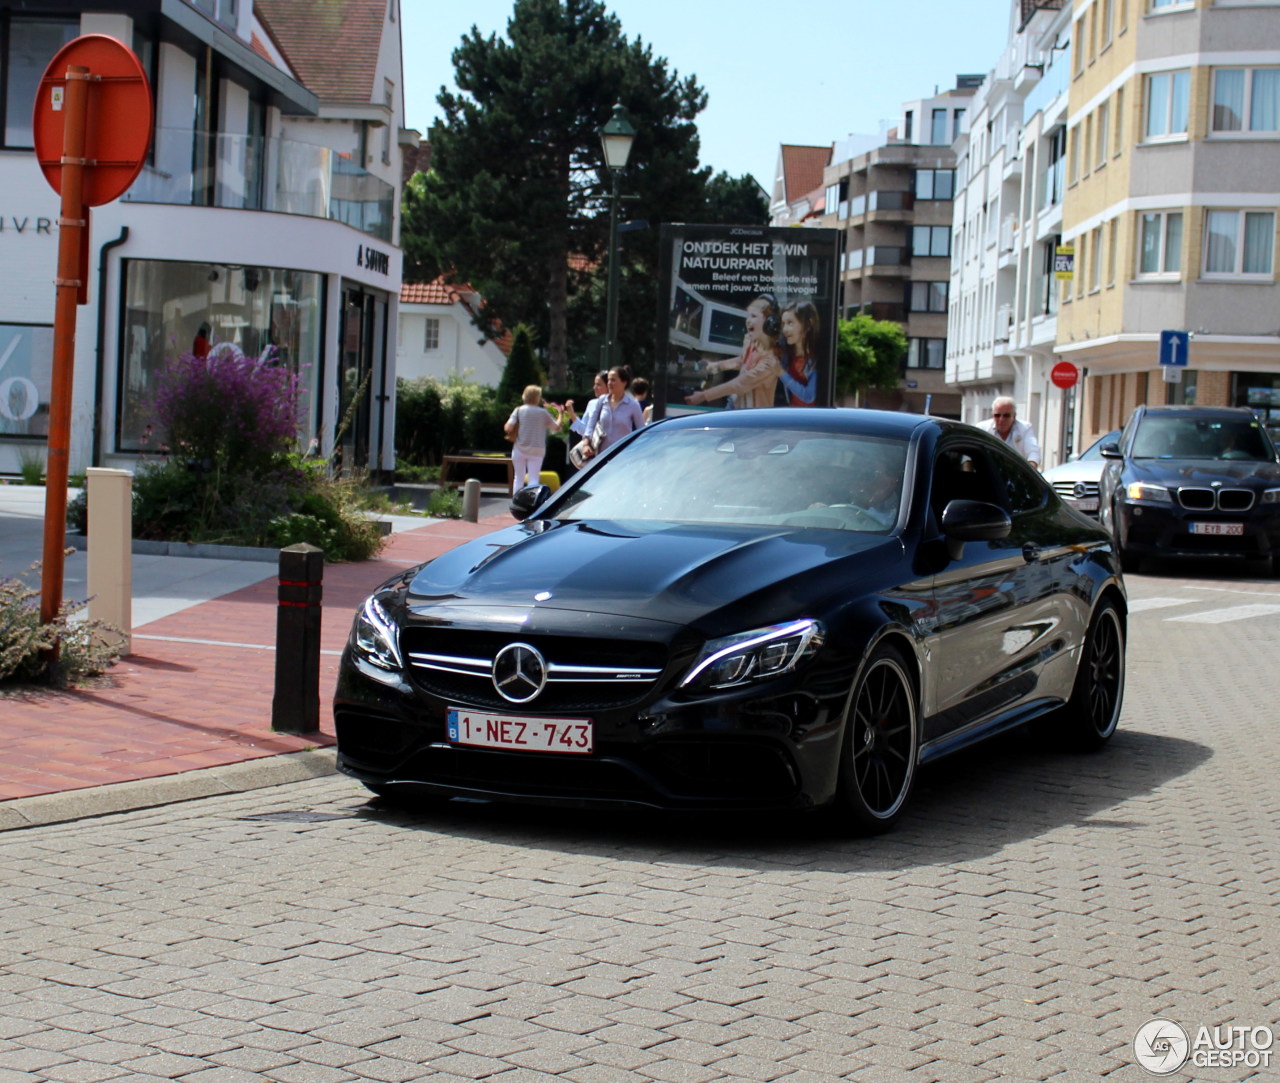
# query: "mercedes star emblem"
x,y
519,672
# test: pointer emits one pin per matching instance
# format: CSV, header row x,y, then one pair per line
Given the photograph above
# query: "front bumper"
x,y
1164,530
775,747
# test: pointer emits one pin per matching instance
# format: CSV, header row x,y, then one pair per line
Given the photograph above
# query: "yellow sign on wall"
x,y
1064,262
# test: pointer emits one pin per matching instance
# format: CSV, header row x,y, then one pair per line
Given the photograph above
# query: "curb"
x,y
57,808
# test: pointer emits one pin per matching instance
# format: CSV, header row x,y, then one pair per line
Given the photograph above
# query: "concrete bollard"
x,y
471,500
110,563
295,707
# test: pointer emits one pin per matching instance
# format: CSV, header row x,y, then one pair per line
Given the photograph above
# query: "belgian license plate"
x,y
1087,503
1217,528
521,733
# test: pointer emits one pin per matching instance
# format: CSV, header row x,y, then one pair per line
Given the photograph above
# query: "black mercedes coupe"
x,y
760,609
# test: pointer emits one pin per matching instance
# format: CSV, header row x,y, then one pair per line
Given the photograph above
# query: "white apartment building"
x,y
1007,225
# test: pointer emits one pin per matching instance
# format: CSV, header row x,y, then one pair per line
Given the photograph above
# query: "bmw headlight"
x,y
757,655
1141,490
1270,496
375,637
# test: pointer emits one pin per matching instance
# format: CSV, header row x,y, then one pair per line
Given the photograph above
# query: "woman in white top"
x,y
530,422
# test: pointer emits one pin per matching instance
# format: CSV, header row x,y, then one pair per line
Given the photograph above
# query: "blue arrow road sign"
x,y
1174,346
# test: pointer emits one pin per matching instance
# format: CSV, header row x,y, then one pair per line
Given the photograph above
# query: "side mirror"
x,y
1110,451
528,500
973,520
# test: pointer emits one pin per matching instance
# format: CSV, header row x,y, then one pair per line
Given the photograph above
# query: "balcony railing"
x,y
881,201
245,172
878,255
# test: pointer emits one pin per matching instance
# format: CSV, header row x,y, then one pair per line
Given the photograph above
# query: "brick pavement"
x,y
196,691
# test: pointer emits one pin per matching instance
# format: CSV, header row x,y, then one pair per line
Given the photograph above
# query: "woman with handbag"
x,y
527,429
618,414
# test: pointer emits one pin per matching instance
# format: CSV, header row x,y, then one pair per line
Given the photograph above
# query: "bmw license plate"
x,y
520,733
1217,528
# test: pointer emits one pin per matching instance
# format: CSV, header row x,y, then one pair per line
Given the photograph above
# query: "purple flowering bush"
x,y
233,473
228,412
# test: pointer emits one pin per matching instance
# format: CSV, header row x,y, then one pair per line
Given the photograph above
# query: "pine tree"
x,y
522,368
515,201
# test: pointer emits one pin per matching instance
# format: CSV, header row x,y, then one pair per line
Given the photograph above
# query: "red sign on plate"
x,y
1064,374
117,127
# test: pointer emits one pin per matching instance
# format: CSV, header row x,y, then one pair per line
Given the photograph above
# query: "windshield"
x,y
1094,450
749,475
1201,438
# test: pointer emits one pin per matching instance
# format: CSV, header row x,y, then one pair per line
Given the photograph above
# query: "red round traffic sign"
x,y
1064,374
117,123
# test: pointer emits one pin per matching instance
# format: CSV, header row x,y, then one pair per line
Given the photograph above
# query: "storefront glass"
x,y
173,308
26,367
1260,391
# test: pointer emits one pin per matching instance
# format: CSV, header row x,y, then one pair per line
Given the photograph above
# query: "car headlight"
x,y
1270,496
757,655
1141,490
375,637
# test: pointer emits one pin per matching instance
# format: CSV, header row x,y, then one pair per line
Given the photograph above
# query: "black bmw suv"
x,y
1192,481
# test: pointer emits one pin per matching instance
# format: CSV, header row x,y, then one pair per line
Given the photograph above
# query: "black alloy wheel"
x,y
1093,712
881,744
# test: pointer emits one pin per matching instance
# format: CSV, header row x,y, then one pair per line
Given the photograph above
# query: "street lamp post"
x,y
616,138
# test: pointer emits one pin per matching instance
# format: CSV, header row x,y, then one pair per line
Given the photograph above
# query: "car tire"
x,y
881,745
1130,561
1093,711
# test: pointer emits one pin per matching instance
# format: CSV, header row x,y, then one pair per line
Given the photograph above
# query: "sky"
x,y
809,74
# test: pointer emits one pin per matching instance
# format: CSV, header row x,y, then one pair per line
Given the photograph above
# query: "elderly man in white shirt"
x,y
1019,435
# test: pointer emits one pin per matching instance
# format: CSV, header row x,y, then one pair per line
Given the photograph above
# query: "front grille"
x,y
1195,499
583,674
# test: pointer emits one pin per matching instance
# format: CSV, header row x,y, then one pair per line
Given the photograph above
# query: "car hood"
x,y
1077,471
1203,472
674,573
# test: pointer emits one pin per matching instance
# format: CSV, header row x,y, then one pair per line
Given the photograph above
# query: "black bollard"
x,y
295,708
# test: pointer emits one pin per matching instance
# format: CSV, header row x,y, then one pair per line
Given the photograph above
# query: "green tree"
x,y
522,368
737,200
515,201
869,355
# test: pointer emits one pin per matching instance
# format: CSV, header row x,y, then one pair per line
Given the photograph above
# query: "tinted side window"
x,y
1025,488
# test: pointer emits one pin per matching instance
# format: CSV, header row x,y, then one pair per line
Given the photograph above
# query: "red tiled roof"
x,y
440,292
332,45
802,169
261,49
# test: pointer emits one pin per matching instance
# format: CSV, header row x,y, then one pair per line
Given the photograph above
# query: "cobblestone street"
x,y
1033,910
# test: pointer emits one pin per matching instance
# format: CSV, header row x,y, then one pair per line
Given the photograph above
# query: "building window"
x,y
1113,243
927,297
1171,5
1106,23
1073,158
268,312
1119,136
931,241
1246,100
935,183
431,336
30,45
958,128
927,353
1168,95
1239,243
1077,42
1095,259
1102,135
1159,243
1055,168
908,125
938,128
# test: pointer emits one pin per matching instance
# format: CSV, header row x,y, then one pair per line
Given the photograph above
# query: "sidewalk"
x,y
196,692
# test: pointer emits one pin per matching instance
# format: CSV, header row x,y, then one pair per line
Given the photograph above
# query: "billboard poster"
x,y
748,318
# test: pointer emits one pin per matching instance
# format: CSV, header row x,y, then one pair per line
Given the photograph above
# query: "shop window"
x,y
26,374
171,308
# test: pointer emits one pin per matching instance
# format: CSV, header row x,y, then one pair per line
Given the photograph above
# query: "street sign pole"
x,y
72,228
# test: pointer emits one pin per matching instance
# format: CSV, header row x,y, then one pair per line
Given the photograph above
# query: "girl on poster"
x,y
759,365
799,374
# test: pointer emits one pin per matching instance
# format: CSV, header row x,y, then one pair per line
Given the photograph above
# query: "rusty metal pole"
x,y
72,229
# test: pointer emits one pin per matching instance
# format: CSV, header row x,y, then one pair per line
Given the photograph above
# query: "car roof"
x,y
884,423
1195,411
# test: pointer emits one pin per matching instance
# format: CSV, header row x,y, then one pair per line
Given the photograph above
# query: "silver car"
x,y
1076,480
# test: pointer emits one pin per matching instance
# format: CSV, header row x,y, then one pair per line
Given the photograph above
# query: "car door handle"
x,y
1030,553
